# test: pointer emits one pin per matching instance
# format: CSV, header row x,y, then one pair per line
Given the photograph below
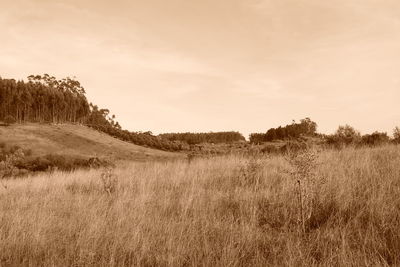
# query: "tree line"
x,y
47,99
100,120
346,135
198,138
306,127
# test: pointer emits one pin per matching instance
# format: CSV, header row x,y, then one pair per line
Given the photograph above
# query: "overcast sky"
x,y
213,65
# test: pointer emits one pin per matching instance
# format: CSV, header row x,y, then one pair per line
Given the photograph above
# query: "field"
x,y
223,211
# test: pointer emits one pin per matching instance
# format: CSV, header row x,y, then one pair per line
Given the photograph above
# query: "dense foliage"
x,y
346,135
197,138
43,99
15,161
306,127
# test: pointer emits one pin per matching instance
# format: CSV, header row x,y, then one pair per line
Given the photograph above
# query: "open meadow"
x,y
199,133
221,211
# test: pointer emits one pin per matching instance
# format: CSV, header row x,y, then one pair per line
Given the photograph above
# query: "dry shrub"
x,y
303,170
250,174
109,181
7,166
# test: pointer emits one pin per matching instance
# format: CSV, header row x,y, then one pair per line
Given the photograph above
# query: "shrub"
x,y
270,149
95,162
8,166
375,138
9,120
251,173
303,170
60,162
109,181
396,135
35,165
344,135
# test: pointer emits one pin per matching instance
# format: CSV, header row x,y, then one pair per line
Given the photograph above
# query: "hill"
x,y
44,99
76,140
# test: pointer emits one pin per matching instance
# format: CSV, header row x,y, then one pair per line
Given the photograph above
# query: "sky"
x,y
216,65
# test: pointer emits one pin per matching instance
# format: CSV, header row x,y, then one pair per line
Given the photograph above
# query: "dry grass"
x,y
76,140
227,211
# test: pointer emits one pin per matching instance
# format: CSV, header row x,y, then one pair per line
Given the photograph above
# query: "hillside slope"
x,y
76,140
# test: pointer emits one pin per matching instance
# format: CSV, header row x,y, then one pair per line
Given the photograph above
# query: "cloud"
x,y
215,65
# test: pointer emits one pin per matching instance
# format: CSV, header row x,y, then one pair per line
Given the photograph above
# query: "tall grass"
x,y
224,211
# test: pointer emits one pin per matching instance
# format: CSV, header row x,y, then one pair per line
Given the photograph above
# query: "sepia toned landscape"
x,y
199,133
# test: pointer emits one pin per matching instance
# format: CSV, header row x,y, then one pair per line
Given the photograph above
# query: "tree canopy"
x,y
306,127
43,99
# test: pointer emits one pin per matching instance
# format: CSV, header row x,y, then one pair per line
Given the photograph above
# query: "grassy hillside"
x,y
224,211
75,140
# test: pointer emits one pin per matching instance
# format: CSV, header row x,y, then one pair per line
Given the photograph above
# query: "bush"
x,y
60,162
8,164
270,149
396,135
23,162
8,120
344,135
375,139
34,165
8,151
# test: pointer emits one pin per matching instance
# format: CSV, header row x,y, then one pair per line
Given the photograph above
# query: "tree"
x,y
308,126
396,134
344,135
347,132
